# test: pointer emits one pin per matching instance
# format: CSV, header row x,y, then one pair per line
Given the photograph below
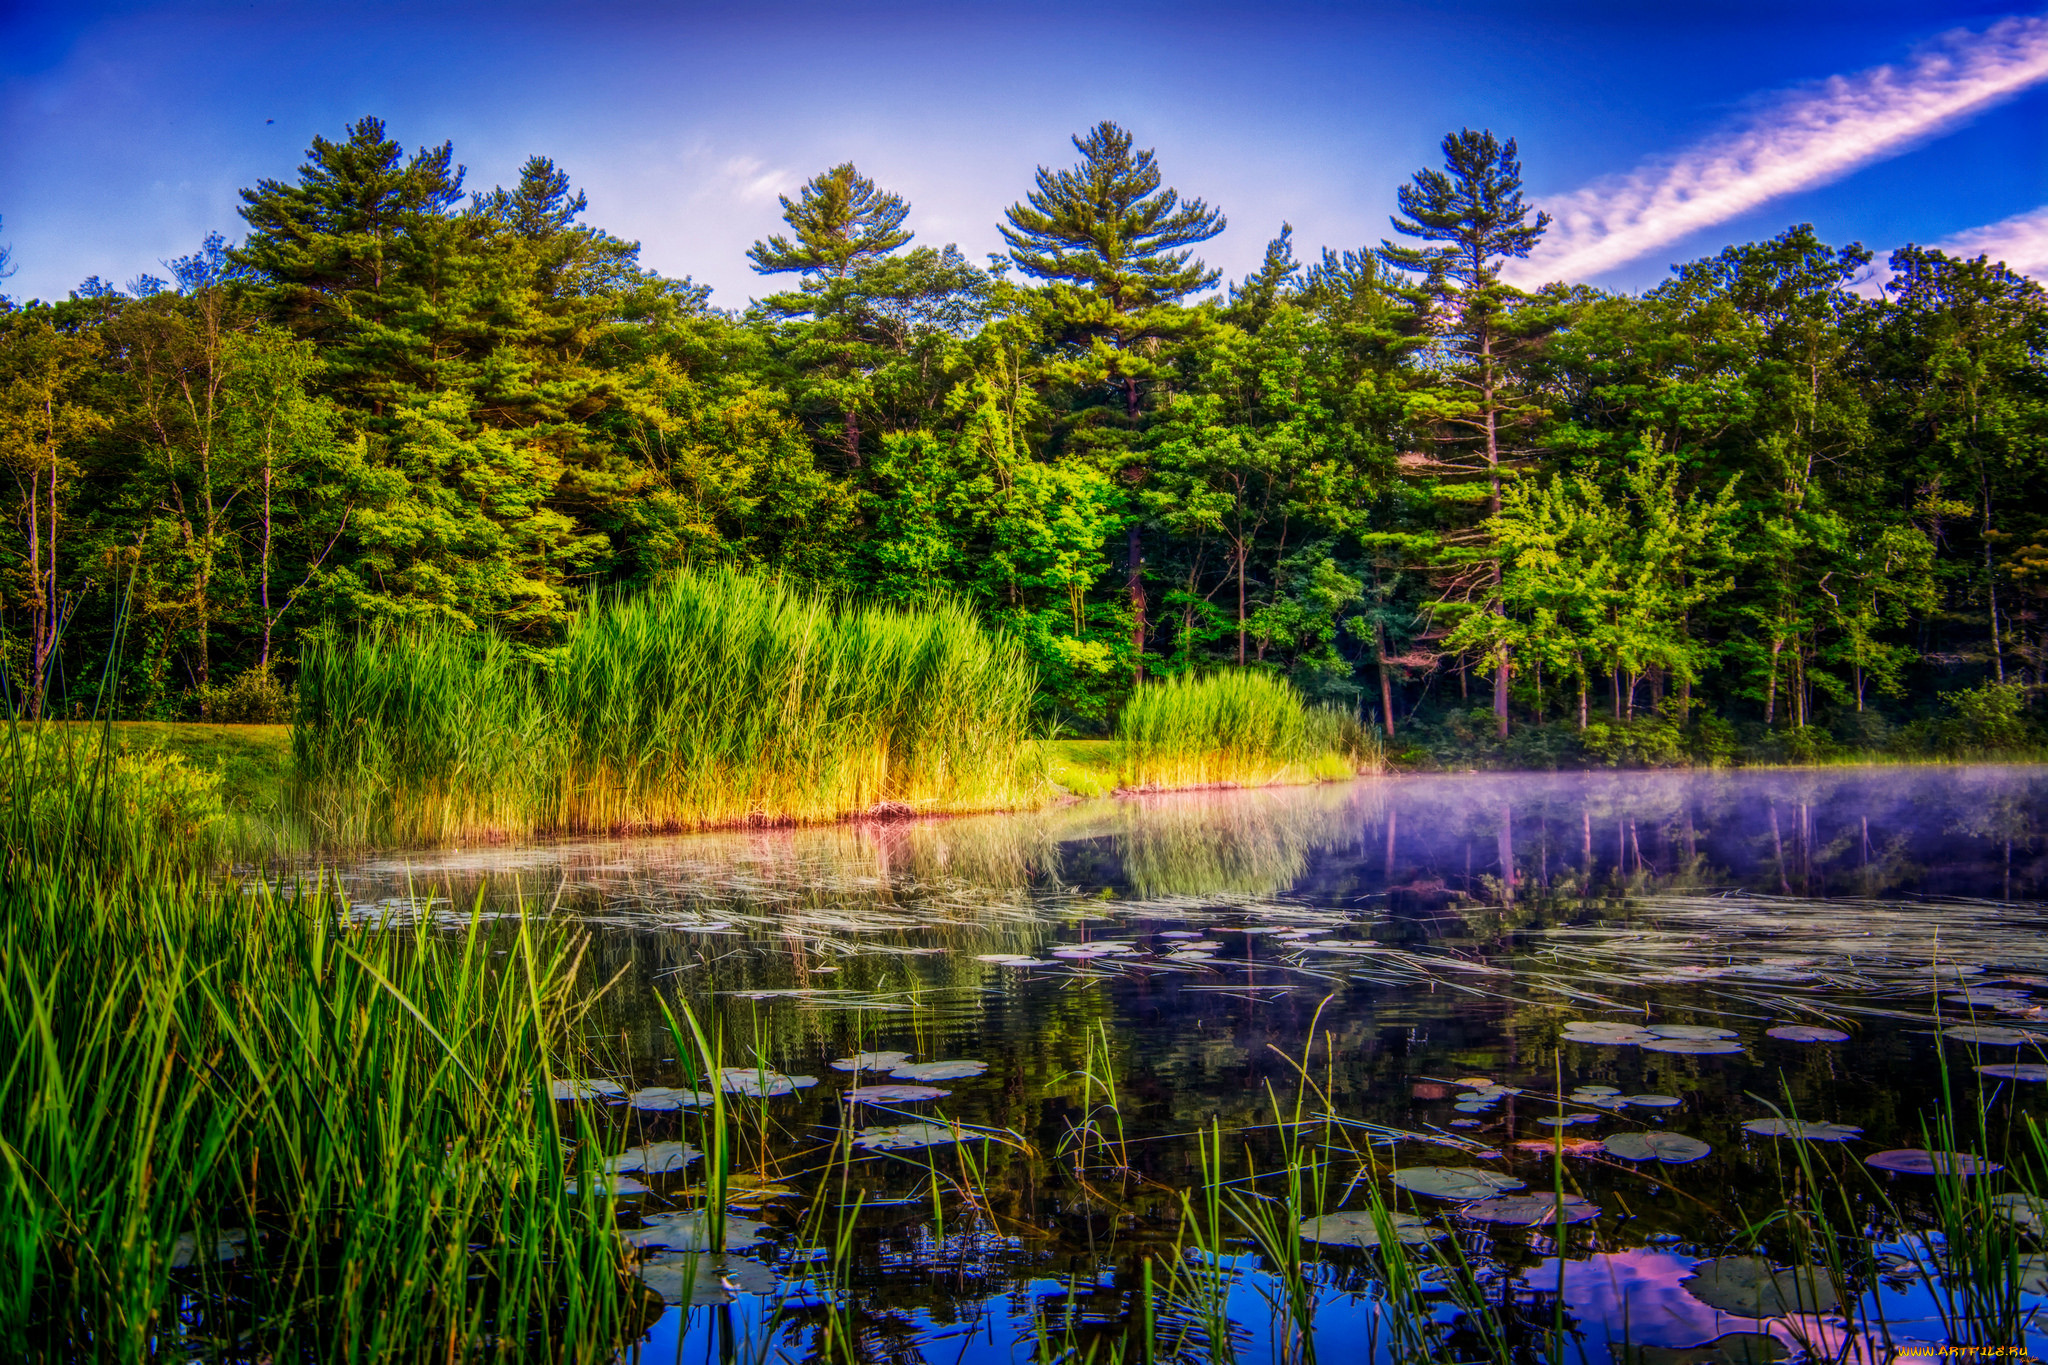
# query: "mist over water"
x,y
1398,940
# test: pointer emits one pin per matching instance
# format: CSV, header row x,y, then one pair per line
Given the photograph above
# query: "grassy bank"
x,y
1237,728
717,699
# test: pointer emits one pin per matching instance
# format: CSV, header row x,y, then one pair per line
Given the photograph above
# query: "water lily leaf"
x,y
227,1246
1807,1033
1594,1091
761,1085
903,1137
655,1158
1655,1101
1356,1228
1802,1129
1749,1287
692,1232
1529,1210
1606,1034
1464,1123
871,1061
1698,1047
1737,1348
1673,1149
1454,1182
1472,1107
2030,1274
2016,1071
618,1186
2028,1212
939,1071
1566,1120
1986,1035
1915,1161
1698,1032
894,1093
580,1088
1569,1146
690,1280
660,1099
1474,1083
1084,951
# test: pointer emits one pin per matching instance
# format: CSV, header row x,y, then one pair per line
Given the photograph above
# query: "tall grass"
x,y
1238,728
718,698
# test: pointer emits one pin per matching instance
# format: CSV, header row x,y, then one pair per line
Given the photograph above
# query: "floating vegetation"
x,y
884,1094
1985,1035
1806,1033
1454,1182
904,1137
1361,1228
1530,1210
1673,1149
656,1099
698,1280
654,1158
1751,1287
2016,1071
939,1071
1915,1161
1802,1130
577,1089
871,1061
693,1232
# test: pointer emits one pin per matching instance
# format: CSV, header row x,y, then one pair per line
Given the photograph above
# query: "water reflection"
x,y
1388,941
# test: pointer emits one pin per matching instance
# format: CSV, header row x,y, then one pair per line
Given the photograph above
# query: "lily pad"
x,y
1473,1107
1594,1091
1566,1120
580,1088
618,1186
939,1071
1356,1228
1806,1033
1986,1035
761,1085
1569,1146
1737,1348
2016,1071
1655,1101
1530,1210
1606,1034
692,1232
660,1099
1802,1129
1673,1149
904,1137
1749,1287
871,1061
2030,1274
1916,1161
692,1280
1455,1182
895,1093
655,1158
2028,1212
227,1246
1697,1047
1694,1032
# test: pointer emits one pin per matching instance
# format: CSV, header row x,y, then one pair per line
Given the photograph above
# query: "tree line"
x,y
1751,497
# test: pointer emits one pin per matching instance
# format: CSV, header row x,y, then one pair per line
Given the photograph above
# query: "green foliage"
x,y
715,698
73,795
1238,727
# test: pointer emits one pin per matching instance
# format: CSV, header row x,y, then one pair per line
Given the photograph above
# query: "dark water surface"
x,y
1325,963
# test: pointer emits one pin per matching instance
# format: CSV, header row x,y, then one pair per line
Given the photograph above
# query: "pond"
x,y
1163,1003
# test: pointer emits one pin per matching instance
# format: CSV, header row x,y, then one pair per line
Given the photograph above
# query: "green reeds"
x,y
718,698
234,1125
1239,728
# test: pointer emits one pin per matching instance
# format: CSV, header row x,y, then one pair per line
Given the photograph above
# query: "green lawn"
x,y
1085,767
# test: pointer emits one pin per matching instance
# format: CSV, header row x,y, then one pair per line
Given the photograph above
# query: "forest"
x,y
1761,511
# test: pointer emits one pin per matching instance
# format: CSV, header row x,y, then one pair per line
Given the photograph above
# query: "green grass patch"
x,y
1240,728
718,698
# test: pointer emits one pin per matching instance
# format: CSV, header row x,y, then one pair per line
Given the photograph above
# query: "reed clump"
x,y
1239,728
717,698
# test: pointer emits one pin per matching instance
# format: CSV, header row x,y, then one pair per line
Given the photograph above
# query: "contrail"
x,y
1805,138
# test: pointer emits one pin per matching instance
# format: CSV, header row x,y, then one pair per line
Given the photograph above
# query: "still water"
x,y
1388,975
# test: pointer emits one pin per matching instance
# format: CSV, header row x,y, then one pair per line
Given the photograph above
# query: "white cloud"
x,y
2020,241
1806,138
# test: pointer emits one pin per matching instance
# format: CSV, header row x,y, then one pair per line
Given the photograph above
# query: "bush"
x,y
1991,716
254,698
72,797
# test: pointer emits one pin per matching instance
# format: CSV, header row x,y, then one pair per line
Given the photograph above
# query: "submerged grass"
x,y
718,698
1236,728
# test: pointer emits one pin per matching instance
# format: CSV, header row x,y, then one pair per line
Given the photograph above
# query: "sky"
x,y
1654,133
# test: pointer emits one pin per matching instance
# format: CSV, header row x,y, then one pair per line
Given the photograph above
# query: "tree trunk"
x,y
1242,550
1991,584
1500,672
850,438
1379,641
1135,585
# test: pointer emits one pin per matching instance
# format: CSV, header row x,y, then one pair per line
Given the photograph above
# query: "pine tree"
x,y
1474,208
540,207
1115,246
841,222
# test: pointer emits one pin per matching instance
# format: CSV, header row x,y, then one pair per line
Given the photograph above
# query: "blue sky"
x,y
126,129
